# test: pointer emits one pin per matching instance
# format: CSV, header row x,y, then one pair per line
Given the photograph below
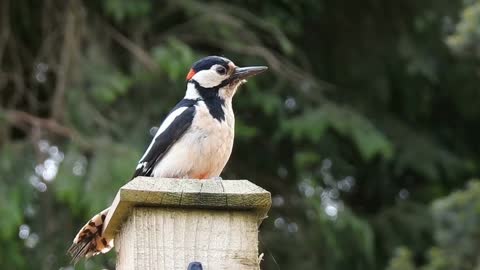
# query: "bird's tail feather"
x,y
89,240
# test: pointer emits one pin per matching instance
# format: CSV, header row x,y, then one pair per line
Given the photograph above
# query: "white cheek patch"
x,y
209,78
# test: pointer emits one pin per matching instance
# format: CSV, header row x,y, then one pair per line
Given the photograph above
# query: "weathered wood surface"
x,y
167,223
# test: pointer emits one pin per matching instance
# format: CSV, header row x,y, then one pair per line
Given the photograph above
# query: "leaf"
x,y
175,58
110,167
313,124
124,9
244,131
70,179
402,260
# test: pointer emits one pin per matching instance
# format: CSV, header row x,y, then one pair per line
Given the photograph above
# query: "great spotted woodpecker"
x,y
194,141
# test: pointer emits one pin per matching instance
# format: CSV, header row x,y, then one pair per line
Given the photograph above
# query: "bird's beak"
x,y
242,73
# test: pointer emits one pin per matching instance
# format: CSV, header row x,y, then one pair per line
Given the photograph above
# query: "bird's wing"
x,y
171,130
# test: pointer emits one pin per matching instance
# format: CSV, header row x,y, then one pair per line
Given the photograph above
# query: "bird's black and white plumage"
x,y
194,141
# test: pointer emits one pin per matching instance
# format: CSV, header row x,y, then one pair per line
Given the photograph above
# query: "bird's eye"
x,y
221,70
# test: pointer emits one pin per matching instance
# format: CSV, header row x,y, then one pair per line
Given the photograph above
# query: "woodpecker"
x,y
194,141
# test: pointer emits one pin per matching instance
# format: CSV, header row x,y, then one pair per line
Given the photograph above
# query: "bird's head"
x,y
218,75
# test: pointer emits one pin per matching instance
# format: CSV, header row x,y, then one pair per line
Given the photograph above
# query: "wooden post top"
x,y
186,193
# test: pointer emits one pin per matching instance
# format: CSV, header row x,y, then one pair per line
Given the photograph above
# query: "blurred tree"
x,y
465,39
365,119
456,234
402,260
456,230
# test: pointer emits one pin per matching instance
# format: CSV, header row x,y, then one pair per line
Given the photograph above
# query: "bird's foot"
x,y
217,178
218,181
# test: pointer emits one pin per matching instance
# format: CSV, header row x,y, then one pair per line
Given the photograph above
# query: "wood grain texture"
x,y
169,239
186,193
168,223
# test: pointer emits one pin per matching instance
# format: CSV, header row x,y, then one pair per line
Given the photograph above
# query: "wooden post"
x,y
161,223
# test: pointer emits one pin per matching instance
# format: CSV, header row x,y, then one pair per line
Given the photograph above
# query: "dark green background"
x,y
365,129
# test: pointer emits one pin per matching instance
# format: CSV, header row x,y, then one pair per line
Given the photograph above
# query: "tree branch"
x,y
63,68
142,56
22,119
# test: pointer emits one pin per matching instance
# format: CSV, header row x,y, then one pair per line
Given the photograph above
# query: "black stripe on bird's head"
x,y
210,61
210,71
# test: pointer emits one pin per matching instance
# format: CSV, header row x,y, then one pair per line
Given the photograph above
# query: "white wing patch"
x,y
166,123
140,165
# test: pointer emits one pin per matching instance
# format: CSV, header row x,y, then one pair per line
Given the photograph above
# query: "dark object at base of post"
x,y
195,266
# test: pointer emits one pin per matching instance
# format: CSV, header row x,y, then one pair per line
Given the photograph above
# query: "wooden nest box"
x,y
164,224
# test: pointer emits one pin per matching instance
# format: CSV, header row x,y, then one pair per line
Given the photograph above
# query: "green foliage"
x,y
107,173
404,224
107,83
312,125
173,58
456,233
70,179
466,38
12,197
121,10
364,125
79,180
402,260
438,259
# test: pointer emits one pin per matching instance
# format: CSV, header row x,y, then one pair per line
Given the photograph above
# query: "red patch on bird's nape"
x,y
190,74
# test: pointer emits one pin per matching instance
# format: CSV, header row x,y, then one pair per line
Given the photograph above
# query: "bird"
x,y
194,141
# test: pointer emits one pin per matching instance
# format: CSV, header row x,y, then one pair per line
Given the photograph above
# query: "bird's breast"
x,y
203,151
213,139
